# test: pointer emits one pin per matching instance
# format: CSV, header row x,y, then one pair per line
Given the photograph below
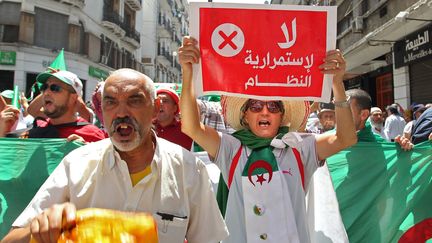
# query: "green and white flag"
x,y
384,193
24,165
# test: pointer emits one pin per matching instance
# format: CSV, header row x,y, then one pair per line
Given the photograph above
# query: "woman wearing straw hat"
x,y
266,168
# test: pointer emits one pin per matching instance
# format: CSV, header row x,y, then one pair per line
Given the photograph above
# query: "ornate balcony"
x,y
77,3
114,22
134,4
132,36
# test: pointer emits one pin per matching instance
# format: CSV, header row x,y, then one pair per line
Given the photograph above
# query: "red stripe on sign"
x,y
420,232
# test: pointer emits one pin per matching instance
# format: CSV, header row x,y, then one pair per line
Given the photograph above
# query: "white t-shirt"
x,y
235,216
393,126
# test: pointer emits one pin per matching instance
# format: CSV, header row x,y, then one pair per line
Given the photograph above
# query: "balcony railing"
x,y
113,17
77,3
121,28
165,53
132,33
134,4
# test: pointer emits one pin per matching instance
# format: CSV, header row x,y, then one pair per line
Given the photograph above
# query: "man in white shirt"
x,y
132,171
394,123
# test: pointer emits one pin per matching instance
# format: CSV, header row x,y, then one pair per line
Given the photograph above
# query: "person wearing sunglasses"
x,y
265,165
60,103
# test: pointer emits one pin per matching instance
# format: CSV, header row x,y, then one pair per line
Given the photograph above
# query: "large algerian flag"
x,y
384,193
24,166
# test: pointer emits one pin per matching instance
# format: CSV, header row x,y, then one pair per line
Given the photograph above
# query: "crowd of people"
x,y
139,143
394,122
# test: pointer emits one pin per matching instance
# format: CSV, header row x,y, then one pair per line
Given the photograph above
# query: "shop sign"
x,y
7,57
414,47
98,73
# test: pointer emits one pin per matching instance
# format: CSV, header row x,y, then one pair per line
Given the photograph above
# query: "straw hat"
x,y
296,112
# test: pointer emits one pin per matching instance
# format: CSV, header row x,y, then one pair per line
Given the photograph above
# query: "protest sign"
x,y
263,51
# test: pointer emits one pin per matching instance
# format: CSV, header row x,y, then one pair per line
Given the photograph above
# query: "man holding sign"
x,y
266,167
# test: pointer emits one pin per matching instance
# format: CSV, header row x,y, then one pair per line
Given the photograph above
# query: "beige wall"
x,y
94,47
26,29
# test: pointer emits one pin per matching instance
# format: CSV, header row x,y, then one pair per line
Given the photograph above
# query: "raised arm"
x,y
35,107
3,103
8,116
329,144
206,137
83,111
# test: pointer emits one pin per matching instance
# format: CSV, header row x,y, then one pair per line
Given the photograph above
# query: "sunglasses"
x,y
258,105
55,88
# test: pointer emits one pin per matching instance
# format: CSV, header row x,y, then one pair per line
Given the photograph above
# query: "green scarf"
x,y
248,138
261,149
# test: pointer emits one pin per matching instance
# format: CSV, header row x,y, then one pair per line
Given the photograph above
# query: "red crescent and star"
x,y
260,164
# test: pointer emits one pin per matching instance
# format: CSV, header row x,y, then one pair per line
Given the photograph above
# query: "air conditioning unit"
x,y
104,59
146,60
357,25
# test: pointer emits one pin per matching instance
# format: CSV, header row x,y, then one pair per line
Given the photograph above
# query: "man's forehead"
x,y
327,113
125,89
125,84
54,80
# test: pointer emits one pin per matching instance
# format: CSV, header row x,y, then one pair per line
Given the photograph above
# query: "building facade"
x,y
97,37
165,22
387,47
172,26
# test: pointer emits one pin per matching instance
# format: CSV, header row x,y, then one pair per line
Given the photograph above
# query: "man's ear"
x,y
364,115
74,98
157,104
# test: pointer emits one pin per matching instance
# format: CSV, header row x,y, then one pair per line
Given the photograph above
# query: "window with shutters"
x,y
51,29
384,90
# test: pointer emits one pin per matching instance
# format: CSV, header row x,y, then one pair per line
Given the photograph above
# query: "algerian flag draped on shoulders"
x,y
384,193
24,165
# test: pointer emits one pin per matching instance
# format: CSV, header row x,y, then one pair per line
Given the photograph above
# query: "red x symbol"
x,y
227,40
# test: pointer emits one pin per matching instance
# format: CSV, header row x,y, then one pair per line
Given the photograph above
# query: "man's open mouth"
x,y
124,129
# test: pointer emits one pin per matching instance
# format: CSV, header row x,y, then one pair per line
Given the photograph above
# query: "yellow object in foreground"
x,y
103,225
110,226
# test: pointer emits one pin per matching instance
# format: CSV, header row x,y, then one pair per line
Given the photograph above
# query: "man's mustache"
x,y
125,120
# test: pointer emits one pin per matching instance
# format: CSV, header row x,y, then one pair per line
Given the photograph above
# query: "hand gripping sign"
x,y
263,51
